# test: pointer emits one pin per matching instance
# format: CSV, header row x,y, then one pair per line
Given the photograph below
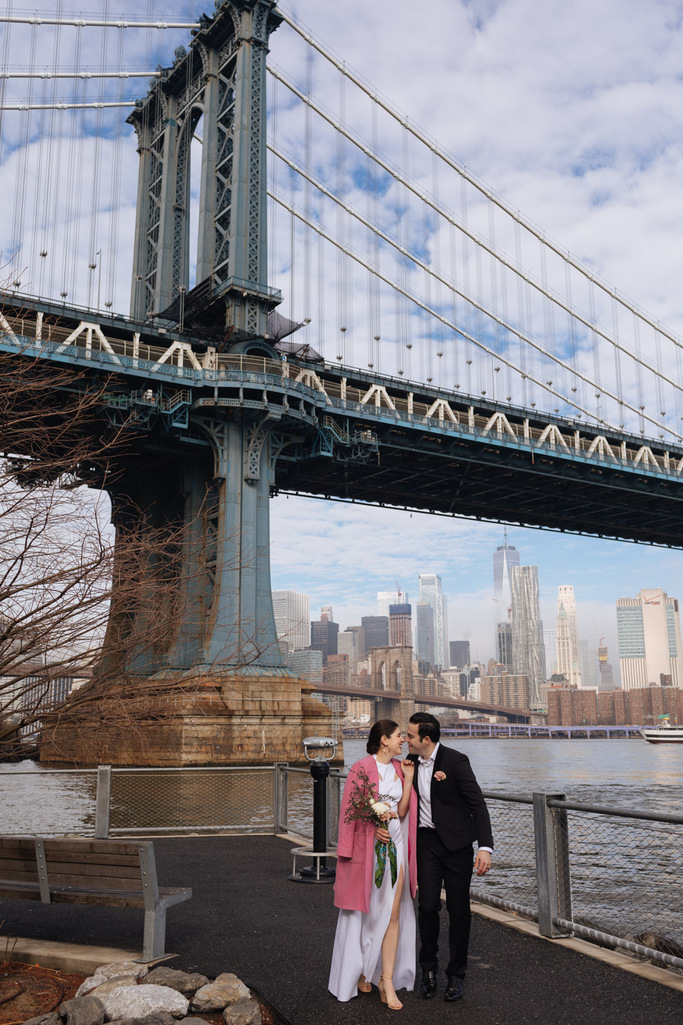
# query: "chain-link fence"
x,y
513,883
192,800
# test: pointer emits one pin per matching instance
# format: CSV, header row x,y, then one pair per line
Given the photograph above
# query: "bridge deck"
x,y
359,437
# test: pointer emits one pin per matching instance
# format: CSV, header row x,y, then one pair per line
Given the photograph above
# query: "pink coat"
x,y
356,846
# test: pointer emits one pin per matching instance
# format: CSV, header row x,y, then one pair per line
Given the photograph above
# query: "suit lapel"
x,y
437,765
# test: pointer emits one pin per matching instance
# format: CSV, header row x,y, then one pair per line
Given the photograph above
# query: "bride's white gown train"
x,y
358,939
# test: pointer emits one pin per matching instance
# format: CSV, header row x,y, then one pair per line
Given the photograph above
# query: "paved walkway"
x,y
247,917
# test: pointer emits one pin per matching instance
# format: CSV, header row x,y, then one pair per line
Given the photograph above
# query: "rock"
x,y
49,1019
244,1012
142,1001
184,982
227,989
109,984
82,1011
191,1021
118,969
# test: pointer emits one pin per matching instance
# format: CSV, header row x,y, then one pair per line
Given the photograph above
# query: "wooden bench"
x,y
115,873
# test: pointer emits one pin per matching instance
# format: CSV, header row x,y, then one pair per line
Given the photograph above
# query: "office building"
x,y
649,632
504,645
504,558
375,632
431,592
324,633
459,653
606,672
588,664
400,626
424,632
306,664
292,618
506,690
528,649
349,643
567,639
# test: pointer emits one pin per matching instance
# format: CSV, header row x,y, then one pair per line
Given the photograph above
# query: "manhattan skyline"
x,y
344,554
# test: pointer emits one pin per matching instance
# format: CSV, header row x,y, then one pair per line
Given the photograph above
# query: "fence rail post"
x,y
280,793
102,802
553,878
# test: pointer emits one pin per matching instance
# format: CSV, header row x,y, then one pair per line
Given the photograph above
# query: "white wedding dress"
x,y
358,940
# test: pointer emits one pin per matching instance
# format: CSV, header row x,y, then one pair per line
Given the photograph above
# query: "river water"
x,y
624,773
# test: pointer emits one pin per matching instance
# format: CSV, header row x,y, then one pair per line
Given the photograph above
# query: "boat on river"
x,y
665,733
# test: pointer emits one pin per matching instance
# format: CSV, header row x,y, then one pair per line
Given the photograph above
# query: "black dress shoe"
x,y
454,989
428,985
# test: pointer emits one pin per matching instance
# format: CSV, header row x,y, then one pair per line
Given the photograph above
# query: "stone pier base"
x,y
228,720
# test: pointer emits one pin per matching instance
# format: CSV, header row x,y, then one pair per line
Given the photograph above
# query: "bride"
x,y
375,938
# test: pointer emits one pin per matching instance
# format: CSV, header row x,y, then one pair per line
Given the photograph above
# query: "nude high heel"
x,y
364,986
396,1005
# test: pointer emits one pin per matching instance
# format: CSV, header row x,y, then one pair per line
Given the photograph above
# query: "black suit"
x,y
445,856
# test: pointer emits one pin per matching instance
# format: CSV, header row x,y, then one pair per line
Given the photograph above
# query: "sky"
x,y
573,112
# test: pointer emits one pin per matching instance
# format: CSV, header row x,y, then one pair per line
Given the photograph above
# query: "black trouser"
x,y
437,867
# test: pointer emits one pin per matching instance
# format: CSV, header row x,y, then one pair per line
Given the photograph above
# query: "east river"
x,y
622,773
625,773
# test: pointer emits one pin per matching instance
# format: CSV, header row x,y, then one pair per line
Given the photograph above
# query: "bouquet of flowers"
x,y
365,804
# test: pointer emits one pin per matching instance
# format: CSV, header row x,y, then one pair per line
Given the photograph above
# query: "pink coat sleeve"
x,y
355,849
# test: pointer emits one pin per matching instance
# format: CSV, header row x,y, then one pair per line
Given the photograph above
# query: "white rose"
x,y
380,808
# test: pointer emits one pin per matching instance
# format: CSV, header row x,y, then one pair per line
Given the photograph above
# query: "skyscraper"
x,y
649,631
460,654
424,632
324,633
375,632
292,618
400,625
504,558
567,636
504,645
430,591
528,650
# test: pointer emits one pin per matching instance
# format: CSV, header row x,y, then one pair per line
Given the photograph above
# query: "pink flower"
x,y
439,775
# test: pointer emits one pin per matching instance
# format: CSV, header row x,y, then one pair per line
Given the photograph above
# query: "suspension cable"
x,y
421,304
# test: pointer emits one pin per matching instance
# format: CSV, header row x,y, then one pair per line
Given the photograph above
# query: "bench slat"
x,y
110,873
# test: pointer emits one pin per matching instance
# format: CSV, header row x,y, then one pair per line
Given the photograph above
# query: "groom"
x,y
452,814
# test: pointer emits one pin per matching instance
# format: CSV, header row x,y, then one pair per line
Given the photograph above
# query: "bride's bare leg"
x,y
390,946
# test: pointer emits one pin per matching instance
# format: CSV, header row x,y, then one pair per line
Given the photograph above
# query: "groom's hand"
x,y
482,863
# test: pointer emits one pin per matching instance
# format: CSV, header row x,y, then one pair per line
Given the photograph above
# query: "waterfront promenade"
x,y
247,917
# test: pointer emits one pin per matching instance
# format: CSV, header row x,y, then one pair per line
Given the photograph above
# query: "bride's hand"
x,y
408,767
382,834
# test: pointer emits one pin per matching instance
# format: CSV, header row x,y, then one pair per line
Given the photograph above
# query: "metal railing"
x,y
611,875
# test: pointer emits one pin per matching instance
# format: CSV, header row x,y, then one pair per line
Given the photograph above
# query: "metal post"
x,y
280,795
552,864
102,802
320,770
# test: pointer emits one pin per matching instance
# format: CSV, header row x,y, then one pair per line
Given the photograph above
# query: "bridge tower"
x,y
220,81
210,482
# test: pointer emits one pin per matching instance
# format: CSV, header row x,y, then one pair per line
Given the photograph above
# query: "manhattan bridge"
x,y
321,301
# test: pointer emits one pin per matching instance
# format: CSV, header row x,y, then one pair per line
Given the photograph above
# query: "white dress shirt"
x,y
425,770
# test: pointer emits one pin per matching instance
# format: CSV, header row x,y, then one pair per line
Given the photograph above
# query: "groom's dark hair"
x,y
427,726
